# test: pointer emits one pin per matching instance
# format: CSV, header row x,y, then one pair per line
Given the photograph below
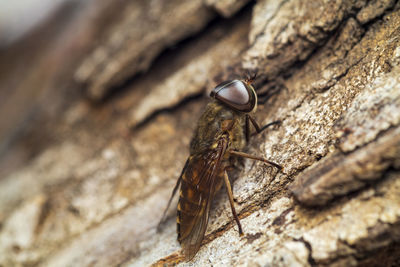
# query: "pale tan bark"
x,y
94,185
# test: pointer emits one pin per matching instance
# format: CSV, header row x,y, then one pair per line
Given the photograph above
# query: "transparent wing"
x,y
197,190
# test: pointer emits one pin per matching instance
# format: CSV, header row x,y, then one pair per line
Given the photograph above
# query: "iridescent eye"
x,y
236,94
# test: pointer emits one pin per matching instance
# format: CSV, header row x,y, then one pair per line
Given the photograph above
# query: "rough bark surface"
x,y
93,145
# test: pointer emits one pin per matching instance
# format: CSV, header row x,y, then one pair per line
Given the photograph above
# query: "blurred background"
x,y
18,18
41,45
55,53
84,135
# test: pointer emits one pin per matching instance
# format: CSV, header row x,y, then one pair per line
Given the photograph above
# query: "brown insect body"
x,y
219,130
222,131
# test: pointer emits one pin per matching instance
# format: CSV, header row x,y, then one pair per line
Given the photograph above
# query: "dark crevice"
x,y
43,215
334,34
169,54
380,253
176,107
369,23
281,219
337,79
379,135
386,256
287,72
307,244
339,200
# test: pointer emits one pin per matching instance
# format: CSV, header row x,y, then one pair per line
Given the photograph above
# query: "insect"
x,y
222,131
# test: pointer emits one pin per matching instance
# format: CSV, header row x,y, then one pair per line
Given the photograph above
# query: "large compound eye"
x,y
236,94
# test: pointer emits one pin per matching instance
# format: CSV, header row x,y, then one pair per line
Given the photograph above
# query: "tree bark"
x,y
101,121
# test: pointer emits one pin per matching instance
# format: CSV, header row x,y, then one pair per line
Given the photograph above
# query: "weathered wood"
x,y
95,188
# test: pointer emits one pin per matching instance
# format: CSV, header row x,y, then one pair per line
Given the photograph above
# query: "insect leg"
x,y
169,203
245,155
230,196
247,128
258,128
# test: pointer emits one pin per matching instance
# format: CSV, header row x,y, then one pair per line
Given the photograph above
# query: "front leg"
x,y
230,196
256,126
245,155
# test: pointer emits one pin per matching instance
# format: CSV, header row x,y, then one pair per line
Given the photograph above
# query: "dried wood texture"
x,y
91,192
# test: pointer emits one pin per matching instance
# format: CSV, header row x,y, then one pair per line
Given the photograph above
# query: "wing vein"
x,y
193,225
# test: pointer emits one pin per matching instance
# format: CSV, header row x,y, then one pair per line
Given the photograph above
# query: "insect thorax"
x,y
210,128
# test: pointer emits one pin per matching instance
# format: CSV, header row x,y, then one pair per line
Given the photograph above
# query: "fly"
x,y
222,132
